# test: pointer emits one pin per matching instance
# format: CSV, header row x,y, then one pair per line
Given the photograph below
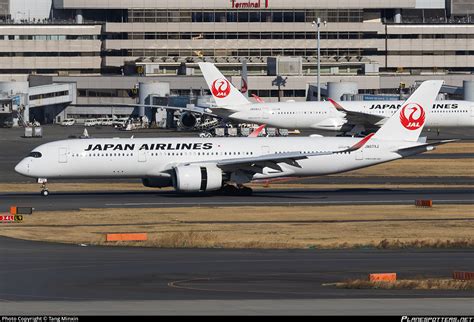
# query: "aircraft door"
x,y
265,150
62,155
359,155
265,112
142,156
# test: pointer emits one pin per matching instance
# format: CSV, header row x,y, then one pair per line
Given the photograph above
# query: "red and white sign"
x,y
249,4
7,218
412,116
220,88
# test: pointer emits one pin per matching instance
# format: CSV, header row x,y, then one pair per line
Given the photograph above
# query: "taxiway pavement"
x,y
277,197
44,277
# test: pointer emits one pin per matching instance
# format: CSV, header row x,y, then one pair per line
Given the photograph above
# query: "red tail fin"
x,y
258,99
257,131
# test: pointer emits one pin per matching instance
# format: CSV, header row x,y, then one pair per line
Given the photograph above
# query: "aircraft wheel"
x,y
45,193
245,191
229,190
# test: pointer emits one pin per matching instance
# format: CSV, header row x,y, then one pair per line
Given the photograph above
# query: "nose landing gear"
x,y
44,189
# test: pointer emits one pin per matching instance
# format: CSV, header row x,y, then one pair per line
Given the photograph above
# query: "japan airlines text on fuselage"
x,y
323,115
198,164
449,113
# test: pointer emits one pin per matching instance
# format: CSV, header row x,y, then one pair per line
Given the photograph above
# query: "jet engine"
x,y
188,120
195,178
159,182
334,124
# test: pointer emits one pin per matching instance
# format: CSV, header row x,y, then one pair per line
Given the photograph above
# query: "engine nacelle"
x,y
196,178
160,182
188,120
333,124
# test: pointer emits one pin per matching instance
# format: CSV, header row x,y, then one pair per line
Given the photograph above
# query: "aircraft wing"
x,y
256,164
196,110
406,151
358,117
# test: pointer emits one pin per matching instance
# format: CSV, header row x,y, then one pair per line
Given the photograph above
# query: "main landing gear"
x,y
44,189
239,190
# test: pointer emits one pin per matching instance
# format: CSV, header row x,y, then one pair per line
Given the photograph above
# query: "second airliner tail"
x,y
225,94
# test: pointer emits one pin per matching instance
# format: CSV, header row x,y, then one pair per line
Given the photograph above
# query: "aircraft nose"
x,y
22,167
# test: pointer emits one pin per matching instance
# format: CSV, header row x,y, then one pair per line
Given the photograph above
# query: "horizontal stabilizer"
x,y
433,144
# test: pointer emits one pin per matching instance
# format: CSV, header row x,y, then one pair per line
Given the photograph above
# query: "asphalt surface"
x,y
71,276
293,197
349,307
46,271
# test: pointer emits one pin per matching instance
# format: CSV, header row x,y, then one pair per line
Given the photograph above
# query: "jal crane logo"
x,y
220,88
412,116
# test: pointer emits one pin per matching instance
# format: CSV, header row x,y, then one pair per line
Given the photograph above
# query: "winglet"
x,y
360,144
337,105
257,131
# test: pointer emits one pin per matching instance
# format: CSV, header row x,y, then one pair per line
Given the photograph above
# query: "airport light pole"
x,y
317,23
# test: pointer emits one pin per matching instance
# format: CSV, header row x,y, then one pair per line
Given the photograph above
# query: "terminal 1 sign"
x,y
257,4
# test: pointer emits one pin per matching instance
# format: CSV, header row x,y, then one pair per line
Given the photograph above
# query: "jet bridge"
x,y
47,102
21,104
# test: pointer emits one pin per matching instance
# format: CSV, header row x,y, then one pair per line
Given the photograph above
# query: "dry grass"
x,y
419,168
419,284
426,243
455,147
396,226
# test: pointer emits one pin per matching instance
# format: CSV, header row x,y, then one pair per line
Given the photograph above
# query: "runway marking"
x,y
279,202
175,284
46,297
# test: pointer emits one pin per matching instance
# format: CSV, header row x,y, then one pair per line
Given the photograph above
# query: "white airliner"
x,y
196,164
354,116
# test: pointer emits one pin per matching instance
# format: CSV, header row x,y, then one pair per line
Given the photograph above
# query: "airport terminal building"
x,y
377,44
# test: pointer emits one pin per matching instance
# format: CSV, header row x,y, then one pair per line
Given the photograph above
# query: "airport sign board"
x,y
256,4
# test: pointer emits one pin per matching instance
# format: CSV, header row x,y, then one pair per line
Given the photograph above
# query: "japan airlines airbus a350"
x,y
351,116
198,164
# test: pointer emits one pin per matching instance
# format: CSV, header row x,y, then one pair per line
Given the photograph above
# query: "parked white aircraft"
x,y
355,116
210,164
362,115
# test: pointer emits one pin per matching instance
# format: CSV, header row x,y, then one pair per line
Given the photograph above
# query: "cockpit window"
x,y
35,155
